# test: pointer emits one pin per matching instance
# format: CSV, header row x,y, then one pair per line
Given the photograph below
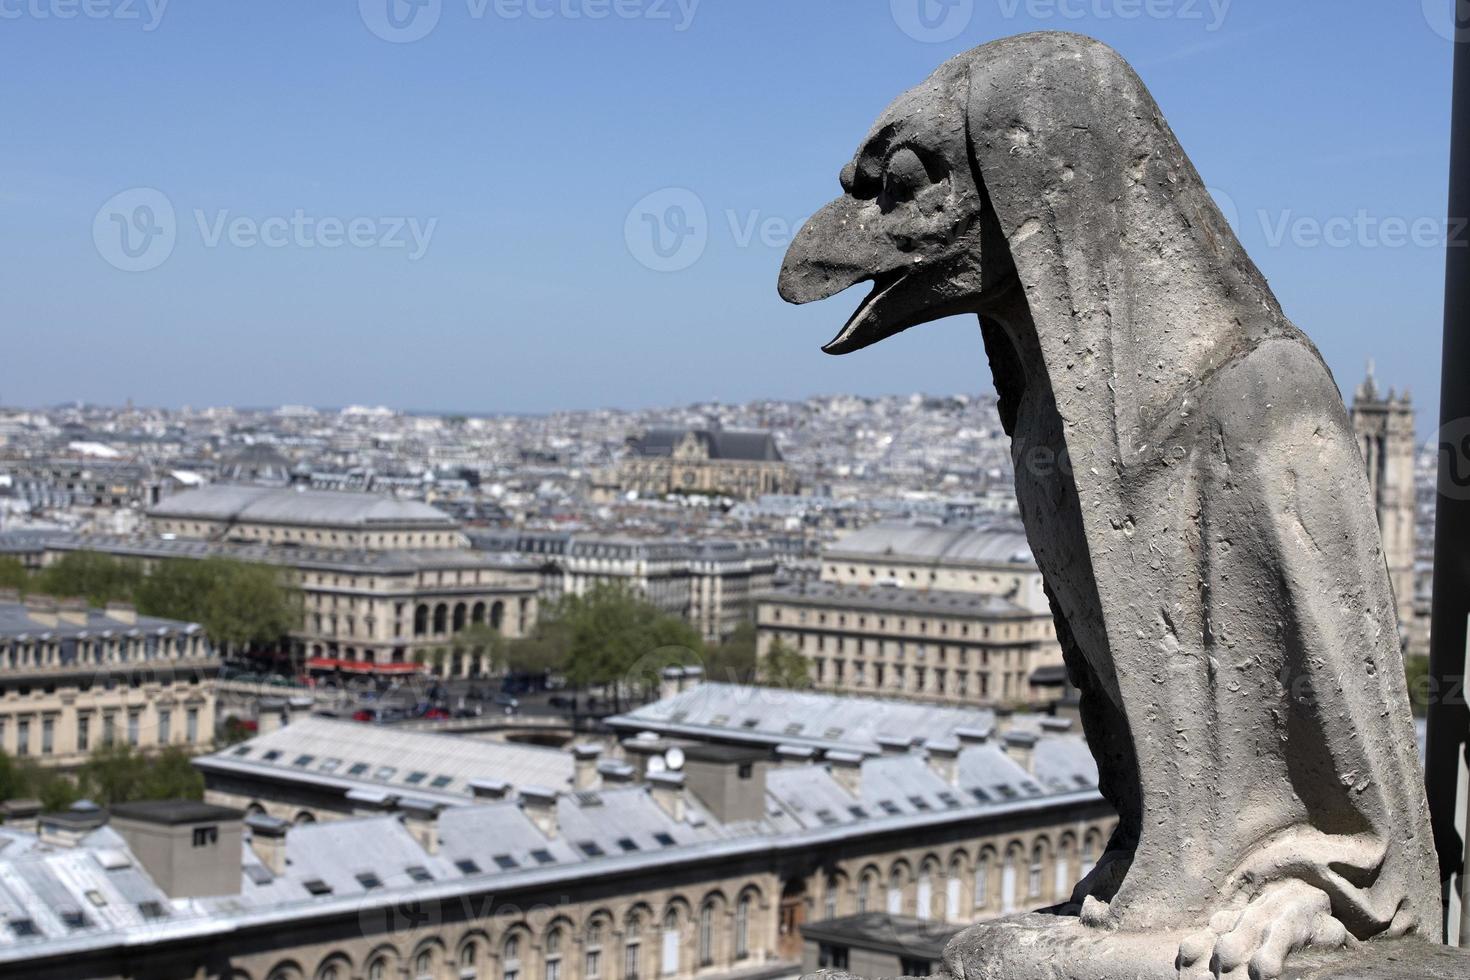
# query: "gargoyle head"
x,y
909,221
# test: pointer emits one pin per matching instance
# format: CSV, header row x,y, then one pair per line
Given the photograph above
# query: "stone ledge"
x,y
1406,959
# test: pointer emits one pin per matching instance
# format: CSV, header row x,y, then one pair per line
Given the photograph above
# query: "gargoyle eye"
x,y
904,175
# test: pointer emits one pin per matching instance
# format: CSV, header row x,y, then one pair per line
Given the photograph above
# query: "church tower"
x,y
1385,428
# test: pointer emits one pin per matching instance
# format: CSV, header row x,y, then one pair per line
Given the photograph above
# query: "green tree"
x,y
480,640
118,773
784,667
733,661
238,604
13,575
98,578
1416,672
611,637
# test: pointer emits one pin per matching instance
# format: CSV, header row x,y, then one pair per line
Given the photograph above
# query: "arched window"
x,y
592,955
441,618
553,954
1033,883
926,890
497,615
423,966
460,614
742,927
866,884
952,889
1009,877
377,969
632,947
668,960
331,971
895,892
421,620
1063,870
829,897
982,881
1089,853
707,934
469,960
510,959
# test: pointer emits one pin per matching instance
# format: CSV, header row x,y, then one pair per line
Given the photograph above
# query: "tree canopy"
x,y
784,667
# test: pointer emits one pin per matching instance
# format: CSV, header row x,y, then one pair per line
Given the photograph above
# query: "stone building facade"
x,y
76,678
944,613
1384,424
728,463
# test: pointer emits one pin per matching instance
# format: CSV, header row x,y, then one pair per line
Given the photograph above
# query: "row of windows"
x,y
1016,631
98,728
70,651
636,948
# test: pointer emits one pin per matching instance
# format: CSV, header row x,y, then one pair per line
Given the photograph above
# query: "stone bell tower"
x,y
1385,428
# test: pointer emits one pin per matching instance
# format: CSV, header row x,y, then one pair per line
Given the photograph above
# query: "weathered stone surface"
x,y
1194,497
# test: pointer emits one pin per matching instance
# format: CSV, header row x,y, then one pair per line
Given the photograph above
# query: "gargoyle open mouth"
x,y
863,328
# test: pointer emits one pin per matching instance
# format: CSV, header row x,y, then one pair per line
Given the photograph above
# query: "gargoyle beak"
x,y
839,248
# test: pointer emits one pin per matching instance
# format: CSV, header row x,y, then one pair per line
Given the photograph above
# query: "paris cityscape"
x,y
438,541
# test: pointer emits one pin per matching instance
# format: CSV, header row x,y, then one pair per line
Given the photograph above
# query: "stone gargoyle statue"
x,y
1207,539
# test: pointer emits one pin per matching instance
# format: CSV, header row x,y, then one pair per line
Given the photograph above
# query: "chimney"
x,y
671,682
72,611
540,806
693,677
1021,746
20,815
792,756
616,773
371,802
421,819
729,780
894,744
642,747
270,716
667,789
41,610
190,849
69,826
123,612
489,790
268,841
944,759
1056,726
1003,720
973,736
584,771
847,769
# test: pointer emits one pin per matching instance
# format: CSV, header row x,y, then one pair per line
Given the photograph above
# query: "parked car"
x,y
365,714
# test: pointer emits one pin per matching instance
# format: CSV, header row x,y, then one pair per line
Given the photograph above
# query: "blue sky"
x,y
445,222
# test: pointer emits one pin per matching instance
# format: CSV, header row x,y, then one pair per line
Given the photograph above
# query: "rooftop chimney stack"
x,y
268,841
585,774
540,806
894,744
489,790
615,772
123,612
944,759
73,612
1021,746
792,756
847,769
671,682
667,789
421,818
973,736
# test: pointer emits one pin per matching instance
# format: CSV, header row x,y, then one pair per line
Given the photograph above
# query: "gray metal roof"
x,y
406,763
16,619
1003,544
323,508
734,712
930,602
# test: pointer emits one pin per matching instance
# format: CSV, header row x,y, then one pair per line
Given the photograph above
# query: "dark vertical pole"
x,y
1449,718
